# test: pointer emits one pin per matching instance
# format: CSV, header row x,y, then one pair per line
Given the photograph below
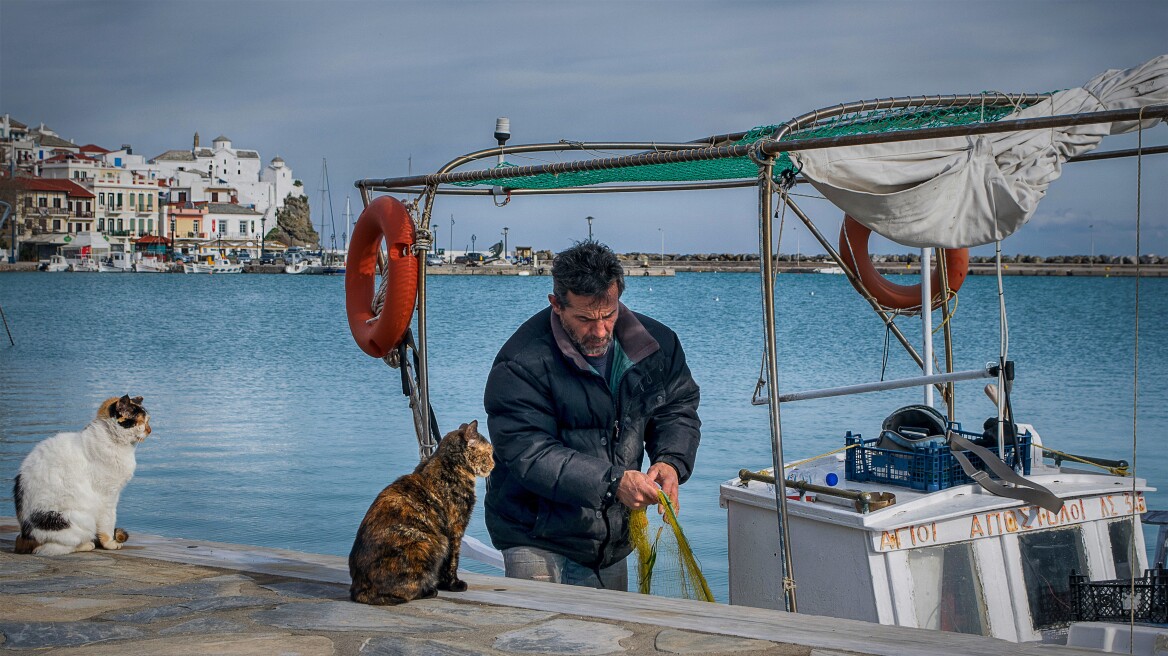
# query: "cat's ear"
x,y
125,406
137,400
472,430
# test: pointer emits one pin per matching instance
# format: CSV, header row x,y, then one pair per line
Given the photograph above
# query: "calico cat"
x,y
68,486
407,545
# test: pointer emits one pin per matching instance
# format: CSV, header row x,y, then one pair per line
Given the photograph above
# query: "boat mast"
x,y
348,224
326,200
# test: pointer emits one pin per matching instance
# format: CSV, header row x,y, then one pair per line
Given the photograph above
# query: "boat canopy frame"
x,y
763,153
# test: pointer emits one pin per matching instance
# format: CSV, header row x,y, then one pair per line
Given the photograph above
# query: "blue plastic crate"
x,y
928,469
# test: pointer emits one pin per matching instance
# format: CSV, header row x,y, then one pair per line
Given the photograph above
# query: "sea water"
x,y
272,428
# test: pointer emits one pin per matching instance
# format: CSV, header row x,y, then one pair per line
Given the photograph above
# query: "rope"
x,y
1118,471
822,455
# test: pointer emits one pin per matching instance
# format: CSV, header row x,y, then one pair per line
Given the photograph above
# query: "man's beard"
x,y
593,347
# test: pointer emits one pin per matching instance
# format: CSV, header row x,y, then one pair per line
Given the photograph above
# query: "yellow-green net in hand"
x,y
666,565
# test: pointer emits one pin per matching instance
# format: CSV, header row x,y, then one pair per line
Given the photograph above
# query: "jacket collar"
x,y
635,340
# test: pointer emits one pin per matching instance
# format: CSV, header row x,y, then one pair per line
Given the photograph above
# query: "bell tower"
x,y
196,139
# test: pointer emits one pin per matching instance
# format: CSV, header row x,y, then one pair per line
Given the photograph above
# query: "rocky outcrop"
x,y
294,223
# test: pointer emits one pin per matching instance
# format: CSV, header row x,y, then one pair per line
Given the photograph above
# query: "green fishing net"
x,y
866,122
666,565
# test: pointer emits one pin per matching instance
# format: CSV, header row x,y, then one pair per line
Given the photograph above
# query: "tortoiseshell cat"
x,y
408,543
67,490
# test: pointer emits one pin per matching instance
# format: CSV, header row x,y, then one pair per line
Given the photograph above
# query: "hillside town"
x,y
195,202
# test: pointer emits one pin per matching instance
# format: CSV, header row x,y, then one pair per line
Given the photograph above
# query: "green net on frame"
x,y
867,122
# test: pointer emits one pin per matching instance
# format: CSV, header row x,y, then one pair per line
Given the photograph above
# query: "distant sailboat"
x,y
331,260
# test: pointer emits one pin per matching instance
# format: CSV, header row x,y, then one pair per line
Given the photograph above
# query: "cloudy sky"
x,y
381,89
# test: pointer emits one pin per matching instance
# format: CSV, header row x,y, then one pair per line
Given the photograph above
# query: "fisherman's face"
x,y
589,320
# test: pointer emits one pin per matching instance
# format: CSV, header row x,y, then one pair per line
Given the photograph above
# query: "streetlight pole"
x,y
662,231
473,237
505,243
263,235
589,220
450,250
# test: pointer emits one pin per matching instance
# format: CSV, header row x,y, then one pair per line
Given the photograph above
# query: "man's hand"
x,y
665,475
636,490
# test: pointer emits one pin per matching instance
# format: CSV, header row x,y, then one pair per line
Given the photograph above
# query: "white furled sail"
x,y
967,191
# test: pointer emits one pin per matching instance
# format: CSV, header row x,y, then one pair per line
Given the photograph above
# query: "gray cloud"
x,y
380,87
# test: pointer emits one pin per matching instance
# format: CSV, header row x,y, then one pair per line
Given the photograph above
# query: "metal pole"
x,y
765,193
990,371
927,318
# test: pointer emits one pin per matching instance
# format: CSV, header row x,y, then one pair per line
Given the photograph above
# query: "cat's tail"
x,y
25,545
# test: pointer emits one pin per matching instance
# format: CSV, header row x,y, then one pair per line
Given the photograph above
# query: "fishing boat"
x,y
55,264
917,520
117,262
85,265
213,264
151,265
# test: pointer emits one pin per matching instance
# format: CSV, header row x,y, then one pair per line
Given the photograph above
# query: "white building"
x,y
223,174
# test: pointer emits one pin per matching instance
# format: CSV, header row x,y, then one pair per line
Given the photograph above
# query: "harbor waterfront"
x,y
1158,269
272,429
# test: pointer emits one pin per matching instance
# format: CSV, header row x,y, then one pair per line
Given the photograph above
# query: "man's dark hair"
x,y
587,269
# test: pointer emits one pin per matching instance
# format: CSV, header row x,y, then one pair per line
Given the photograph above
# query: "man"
x,y
574,400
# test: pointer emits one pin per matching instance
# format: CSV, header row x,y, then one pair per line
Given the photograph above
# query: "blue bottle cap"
x,y
832,479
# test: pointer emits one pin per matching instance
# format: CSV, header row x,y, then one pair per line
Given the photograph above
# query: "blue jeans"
x,y
536,564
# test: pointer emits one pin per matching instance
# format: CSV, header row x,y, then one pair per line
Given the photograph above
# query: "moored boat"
x,y
214,264
55,264
918,525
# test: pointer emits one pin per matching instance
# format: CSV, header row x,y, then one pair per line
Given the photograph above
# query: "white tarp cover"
x,y
959,192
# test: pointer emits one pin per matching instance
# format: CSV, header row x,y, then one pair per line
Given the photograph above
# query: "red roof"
x,y
153,239
94,148
45,184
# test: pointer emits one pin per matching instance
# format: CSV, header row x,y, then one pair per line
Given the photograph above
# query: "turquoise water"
x,y
272,428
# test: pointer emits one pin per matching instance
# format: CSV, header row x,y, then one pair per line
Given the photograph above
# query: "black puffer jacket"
x,y
562,440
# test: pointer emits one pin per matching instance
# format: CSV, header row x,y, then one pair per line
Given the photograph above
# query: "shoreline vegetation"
x,y
638,264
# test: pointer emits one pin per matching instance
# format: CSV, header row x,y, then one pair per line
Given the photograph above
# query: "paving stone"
x,y
14,566
211,625
232,644
309,590
477,615
571,637
27,608
43,635
676,641
348,616
51,584
189,607
397,646
216,586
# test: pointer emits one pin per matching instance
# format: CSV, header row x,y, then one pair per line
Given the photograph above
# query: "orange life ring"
x,y
385,218
853,249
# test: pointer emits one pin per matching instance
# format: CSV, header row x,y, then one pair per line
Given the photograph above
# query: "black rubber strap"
x,y
1023,490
